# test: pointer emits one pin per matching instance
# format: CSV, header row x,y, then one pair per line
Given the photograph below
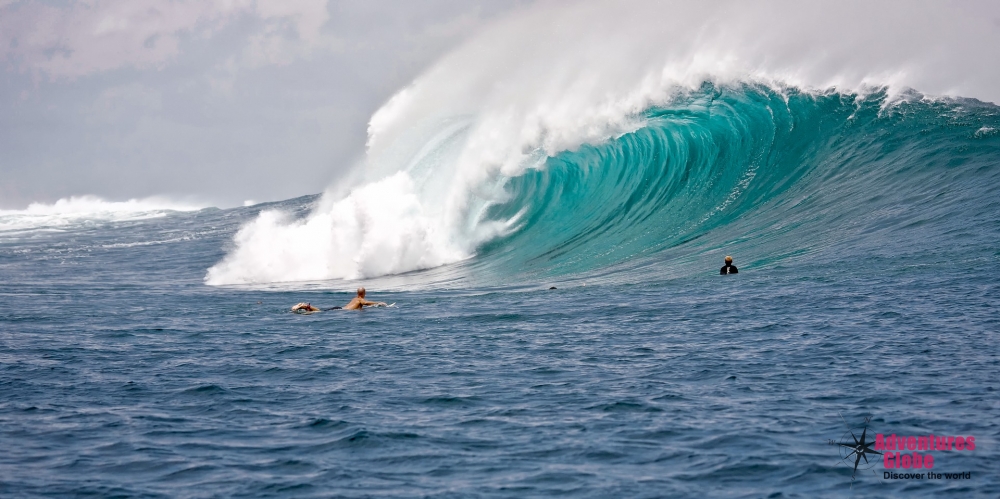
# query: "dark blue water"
x,y
645,375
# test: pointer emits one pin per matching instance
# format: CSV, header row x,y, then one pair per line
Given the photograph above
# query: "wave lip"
x,y
76,210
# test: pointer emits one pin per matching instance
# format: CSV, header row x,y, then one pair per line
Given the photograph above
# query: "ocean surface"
x,y
149,352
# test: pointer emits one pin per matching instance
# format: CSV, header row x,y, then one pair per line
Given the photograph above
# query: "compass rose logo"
x,y
855,447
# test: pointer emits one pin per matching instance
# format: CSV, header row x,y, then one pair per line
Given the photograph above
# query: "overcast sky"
x,y
220,100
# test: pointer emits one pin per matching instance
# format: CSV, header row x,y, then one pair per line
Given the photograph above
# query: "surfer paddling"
x,y
357,303
729,268
304,307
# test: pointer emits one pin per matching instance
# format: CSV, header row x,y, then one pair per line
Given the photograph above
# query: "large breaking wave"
x,y
588,147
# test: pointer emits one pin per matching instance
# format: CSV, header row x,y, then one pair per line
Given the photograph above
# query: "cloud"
x,y
292,29
120,102
86,37
224,100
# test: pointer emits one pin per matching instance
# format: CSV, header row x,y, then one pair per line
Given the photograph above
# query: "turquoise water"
x,y
779,178
866,234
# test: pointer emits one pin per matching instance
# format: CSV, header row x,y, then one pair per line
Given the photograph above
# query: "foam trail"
x,y
529,88
74,210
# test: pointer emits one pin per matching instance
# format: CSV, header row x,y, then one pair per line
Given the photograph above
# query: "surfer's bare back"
x,y
357,303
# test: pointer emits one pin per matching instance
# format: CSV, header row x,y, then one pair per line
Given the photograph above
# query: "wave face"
x,y
773,176
777,177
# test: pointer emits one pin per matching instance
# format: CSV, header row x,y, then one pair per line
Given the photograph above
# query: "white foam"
x,y
986,131
559,76
75,210
380,228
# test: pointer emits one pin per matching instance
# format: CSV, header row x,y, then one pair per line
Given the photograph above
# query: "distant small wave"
x,y
76,210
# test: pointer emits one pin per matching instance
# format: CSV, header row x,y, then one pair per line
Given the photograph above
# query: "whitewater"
x,y
548,206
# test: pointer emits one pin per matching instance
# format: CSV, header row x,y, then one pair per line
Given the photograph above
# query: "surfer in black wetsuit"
x,y
728,268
